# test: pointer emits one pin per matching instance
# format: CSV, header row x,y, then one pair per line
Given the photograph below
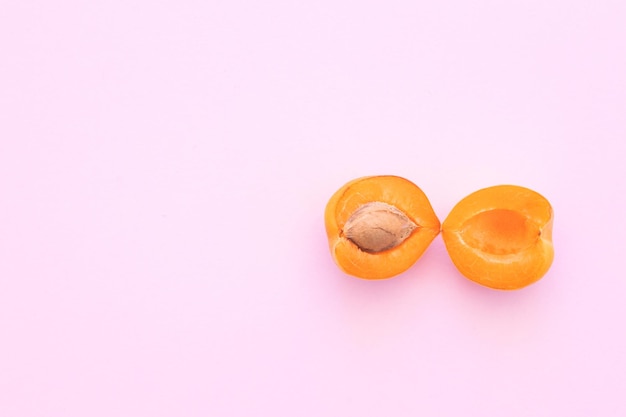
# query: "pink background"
x,y
164,167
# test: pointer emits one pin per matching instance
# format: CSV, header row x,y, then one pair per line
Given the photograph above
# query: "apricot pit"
x,y
379,226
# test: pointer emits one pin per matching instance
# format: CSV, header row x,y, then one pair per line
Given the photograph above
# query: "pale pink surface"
x,y
164,168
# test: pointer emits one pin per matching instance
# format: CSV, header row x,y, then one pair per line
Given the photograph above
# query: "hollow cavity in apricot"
x,y
379,226
501,237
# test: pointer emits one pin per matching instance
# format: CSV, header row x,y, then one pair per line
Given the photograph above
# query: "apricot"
x,y
501,237
379,226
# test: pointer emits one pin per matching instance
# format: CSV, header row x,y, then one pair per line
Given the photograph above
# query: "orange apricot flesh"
x,y
501,236
379,226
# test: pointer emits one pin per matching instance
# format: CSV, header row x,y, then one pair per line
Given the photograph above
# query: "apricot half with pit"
x,y
379,226
501,236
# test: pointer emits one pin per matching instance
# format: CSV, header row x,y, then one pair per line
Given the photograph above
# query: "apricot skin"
x,y
397,192
501,237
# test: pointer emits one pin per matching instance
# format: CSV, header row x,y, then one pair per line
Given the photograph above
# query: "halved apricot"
x,y
379,226
501,237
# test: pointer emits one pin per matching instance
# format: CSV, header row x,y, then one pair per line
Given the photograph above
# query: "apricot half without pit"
x,y
501,236
379,226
